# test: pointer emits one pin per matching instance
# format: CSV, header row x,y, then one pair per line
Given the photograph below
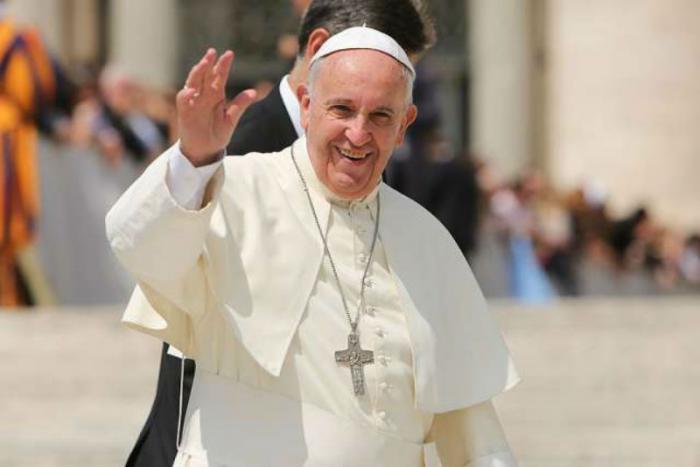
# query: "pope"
x,y
334,322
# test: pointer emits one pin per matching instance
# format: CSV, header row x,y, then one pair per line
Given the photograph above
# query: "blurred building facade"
x,y
624,102
587,91
599,91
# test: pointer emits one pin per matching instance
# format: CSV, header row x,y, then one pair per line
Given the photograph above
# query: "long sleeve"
x,y
186,182
158,239
471,437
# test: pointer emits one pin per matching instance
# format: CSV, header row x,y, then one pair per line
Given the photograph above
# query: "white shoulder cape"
x,y
262,256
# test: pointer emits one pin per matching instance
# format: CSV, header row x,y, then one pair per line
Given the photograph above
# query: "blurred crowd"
x,y
534,241
121,117
558,236
549,243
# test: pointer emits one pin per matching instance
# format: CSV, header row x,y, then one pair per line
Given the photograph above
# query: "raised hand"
x,y
205,120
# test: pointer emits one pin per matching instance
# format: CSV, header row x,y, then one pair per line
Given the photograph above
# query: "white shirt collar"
x,y
291,104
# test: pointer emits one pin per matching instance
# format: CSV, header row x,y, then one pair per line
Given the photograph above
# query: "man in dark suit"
x,y
270,125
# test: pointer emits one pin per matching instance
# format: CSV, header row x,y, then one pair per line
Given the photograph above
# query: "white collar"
x,y
291,104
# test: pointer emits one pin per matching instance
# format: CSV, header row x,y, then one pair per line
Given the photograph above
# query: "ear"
x,y
304,104
316,39
408,119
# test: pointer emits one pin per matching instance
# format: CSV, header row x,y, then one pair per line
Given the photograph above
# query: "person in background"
x,y
29,85
430,171
689,264
120,125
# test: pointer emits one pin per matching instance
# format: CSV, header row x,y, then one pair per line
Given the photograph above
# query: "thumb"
x,y
238,105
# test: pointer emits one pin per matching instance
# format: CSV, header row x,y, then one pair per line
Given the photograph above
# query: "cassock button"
x,y
382,415
379,332
371,310
369,283
383,386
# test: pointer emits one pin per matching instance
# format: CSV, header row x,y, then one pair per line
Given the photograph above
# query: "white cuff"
x,y
497,459
187,182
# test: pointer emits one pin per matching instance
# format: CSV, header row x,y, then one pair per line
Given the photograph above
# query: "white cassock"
x,y
242,286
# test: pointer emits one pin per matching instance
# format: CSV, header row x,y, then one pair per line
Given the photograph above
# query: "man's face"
x,y
355,117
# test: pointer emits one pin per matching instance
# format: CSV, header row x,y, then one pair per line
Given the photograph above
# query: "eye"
x,y
381,118
340,110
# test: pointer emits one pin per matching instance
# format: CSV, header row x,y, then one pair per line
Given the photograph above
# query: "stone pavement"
x,y
75,387
607,383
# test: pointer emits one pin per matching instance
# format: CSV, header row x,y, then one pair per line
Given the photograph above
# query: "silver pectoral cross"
x,y
355,358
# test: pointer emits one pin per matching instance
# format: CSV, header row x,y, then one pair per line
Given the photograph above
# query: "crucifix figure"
x,y
355,358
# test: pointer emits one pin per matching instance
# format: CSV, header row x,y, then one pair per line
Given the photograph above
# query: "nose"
x,y
357,131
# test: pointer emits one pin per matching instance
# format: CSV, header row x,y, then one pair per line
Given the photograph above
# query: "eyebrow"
x,y
388,110
337,101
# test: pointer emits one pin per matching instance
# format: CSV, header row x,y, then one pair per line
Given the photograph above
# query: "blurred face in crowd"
x,y
120,92
355,112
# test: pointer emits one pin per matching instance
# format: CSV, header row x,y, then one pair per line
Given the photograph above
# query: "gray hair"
x,y
405,73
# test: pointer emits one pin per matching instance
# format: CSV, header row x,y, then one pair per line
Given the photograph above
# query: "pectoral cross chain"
x,y
355,358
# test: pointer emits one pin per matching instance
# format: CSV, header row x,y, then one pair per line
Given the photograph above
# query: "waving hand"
x,y
205,120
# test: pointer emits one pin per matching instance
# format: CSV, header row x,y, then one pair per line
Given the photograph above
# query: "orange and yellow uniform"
x,y
27,85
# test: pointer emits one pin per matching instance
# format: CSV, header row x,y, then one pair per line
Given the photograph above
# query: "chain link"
x,y
361,306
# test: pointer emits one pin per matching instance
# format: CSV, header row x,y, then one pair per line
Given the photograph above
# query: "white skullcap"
x,y
362,37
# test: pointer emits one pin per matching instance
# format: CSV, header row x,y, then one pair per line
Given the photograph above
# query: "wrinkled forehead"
x,y
363,62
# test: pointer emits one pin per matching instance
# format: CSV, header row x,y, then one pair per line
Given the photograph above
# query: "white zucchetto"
x,y
362,37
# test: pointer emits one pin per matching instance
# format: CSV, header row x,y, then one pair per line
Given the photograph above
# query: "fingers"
x,y
238,105
206,82
195,79
220,72
208,77
206,85
186,98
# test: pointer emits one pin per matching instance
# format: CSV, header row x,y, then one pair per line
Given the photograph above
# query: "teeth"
x,y
353,155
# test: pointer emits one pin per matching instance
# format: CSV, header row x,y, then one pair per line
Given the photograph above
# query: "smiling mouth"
x,y
353,155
